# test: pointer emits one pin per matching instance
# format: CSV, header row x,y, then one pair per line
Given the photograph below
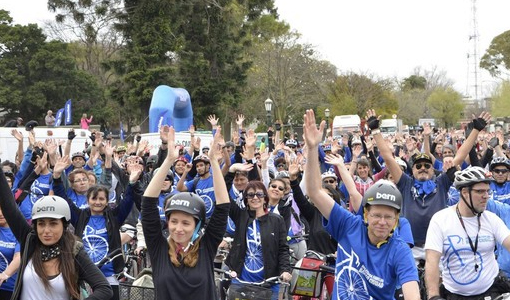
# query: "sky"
x,y
384,38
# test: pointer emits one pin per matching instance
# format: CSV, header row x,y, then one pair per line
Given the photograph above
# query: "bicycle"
x,y
245,290
313,277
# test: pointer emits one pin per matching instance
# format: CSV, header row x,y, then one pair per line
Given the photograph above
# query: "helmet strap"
x,y
470,204
195,236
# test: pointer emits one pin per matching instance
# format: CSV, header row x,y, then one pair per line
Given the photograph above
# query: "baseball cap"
x,y
421,157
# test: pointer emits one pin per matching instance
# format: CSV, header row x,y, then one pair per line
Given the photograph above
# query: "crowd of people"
x,y
383,205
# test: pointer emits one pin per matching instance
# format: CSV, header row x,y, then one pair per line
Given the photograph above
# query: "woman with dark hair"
x,y
98,225
52,261
260,248
182,263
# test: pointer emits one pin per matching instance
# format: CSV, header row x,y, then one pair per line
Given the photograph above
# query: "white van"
x,y
344,124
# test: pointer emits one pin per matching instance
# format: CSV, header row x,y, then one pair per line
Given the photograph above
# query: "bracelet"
x,y
7,276
375,131
164,143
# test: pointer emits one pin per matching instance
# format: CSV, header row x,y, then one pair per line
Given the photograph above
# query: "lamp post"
x,y
326,113
269,107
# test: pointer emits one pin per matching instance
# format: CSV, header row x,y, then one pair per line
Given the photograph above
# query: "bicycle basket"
x,y
128,291
249,292
307,277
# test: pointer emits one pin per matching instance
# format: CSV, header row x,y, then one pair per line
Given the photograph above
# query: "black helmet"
x,y
153,159
187,202
500,161
383,192
471,176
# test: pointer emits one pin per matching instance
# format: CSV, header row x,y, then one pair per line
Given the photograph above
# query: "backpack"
x,y
307,276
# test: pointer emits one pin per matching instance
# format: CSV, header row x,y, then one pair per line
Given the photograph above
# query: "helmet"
x,y
383,192
401,163
328,174
187,202
121,149
78,154
471,176
326,147
181,158
282,174
291,142
53,207
169,174
205,148
202,158
153,159
499,161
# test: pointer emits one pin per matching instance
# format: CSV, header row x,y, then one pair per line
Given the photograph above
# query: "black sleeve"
x,y
161,157
283,248
27,182
151,224
88,272
237,155
229,180
473,157
253,174
285,212
11,212
306,208
375,163
487,158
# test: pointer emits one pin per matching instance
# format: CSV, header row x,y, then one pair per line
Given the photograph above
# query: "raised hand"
x,y
17,135
61,164
334,159
240,120
213,120
250,138
41,163
173,151
163,133
216,145
50,145
312,134
135,172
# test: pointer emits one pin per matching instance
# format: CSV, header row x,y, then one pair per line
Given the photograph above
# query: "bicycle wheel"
x,y
3,263
350,285
96,247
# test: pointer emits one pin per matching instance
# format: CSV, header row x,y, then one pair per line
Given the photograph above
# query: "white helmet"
x,y
471,176
401,163
328,174
53,207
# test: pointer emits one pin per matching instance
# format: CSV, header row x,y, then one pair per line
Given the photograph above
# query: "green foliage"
x,y
497,57
446,106
414,82
501,100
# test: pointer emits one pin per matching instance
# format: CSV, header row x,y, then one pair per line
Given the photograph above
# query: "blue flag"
x,y
121,132
68,118
58,117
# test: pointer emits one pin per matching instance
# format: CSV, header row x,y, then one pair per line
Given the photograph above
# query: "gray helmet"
x,y
499,161
153,159
169,174
53,207
383,192
187,202
471,176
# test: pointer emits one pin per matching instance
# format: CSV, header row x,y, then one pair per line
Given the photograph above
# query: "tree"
x,y
496,59
501,100
446,106
38,75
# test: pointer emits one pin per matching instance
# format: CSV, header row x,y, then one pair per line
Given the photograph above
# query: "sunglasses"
x,y
420,165
280,166
500,171
330,181
292,147
275,186
259,195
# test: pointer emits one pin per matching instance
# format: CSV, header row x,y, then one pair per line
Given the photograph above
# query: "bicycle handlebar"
x,y
108,258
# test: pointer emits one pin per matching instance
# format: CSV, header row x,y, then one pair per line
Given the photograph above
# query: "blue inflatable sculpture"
x,y
172,107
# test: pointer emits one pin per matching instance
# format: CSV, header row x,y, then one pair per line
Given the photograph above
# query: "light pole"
x,y
326,113
269,107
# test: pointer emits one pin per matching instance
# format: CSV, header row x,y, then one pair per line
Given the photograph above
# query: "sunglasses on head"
x,y
275,186
330,181
420,165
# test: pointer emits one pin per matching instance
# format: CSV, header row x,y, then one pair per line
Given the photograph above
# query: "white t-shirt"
x,y
446,235
33,287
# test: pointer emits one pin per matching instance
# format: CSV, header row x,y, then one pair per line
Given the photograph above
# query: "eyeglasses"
x,y
500,171
419,166
292,147
280,166
330,181
168,178
378,217
274,186
81,180
259,195
482,192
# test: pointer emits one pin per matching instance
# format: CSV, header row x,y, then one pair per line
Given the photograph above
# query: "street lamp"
x,y
326,113
269,107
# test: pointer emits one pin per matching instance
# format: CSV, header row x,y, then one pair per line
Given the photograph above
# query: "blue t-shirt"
x,y
8,247
39,188
204,188
419,209
501,192
78,200
95,242
362,269
502,210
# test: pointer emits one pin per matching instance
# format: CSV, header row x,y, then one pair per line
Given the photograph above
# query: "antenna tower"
x,y
473,81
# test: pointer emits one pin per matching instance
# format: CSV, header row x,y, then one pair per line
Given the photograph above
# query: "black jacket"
x,y
27,238
273,235
114,219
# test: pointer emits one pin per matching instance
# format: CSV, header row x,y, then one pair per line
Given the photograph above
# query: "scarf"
x,y
50,252
424,187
